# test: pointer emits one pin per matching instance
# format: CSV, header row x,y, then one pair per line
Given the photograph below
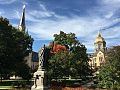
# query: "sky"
x,y
85,18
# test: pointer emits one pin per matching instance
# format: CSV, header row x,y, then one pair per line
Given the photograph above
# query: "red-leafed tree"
x,y
55,48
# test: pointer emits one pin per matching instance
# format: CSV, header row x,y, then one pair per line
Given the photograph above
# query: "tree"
x,y
14,47
72,61
23,71
58,65
109,73
66,39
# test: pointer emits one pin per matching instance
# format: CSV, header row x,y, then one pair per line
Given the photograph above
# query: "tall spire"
x,y
22,21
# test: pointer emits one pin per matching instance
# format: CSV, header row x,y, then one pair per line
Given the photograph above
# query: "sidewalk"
x,y
88,84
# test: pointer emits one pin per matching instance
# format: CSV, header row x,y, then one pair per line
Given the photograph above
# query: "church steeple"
x,y
22,26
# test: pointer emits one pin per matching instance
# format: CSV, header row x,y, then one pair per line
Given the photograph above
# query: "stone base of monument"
x,y
40,82
39,88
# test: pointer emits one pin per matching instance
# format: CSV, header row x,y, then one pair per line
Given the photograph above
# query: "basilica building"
x,y
98,57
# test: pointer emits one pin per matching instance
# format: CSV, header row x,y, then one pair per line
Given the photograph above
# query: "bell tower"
x,y
100,44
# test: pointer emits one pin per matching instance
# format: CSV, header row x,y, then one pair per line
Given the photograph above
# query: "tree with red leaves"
x,y
55,48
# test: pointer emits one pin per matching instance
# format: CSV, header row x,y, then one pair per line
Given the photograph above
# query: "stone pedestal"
x,y
40,81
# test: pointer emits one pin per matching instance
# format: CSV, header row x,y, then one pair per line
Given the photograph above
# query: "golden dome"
x,y
99,38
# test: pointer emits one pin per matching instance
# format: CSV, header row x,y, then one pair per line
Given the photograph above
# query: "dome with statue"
x,y
99,38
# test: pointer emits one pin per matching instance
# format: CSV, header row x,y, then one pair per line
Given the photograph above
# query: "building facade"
x,y
98,57
32,60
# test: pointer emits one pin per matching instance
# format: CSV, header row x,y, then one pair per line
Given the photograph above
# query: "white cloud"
x,y
110,1
105,9
43,7
110,4
7,1
40,14
11,15
86,27
1,12
109,15
82,27
17,14
112,33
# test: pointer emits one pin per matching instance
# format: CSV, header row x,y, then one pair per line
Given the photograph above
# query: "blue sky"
x,y
85,18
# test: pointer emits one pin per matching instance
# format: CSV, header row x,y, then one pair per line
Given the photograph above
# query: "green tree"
x,y
58,65
109,74
14,47
66,39
23,71
73,62
81,61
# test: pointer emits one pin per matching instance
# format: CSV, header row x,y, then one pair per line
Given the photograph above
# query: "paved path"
x,y
88,84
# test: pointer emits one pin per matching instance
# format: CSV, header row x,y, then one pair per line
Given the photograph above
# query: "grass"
x,y
14,80
6,87
74,82
67,82
24,83
14,83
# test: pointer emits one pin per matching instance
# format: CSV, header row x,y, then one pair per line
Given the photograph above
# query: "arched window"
x,y
100,59
99,45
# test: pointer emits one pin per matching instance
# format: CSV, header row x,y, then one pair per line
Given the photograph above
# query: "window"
x,y
94,59
100,64
95,64
100,59
99,45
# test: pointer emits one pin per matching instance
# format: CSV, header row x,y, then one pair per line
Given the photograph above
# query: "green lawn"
x,y
7,87
14,83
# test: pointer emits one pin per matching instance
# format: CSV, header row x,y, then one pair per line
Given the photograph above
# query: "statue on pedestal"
x,y
40,82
